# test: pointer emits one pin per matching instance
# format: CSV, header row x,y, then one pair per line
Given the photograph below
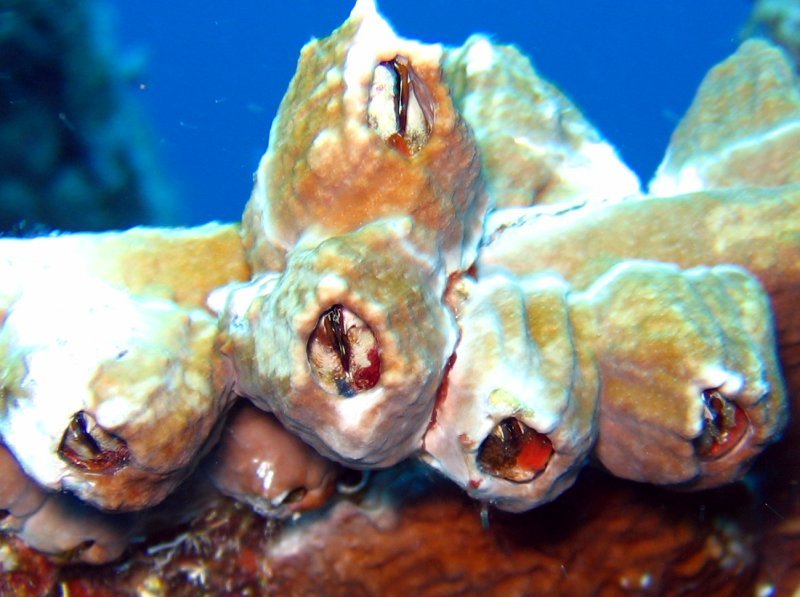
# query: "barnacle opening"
x,y
352,481
343,353
400,106
515,452
294,496
724,426
88,446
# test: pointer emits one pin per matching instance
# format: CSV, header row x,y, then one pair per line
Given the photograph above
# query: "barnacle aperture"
x,y
400,106
514,451
343,353
88,446
725,424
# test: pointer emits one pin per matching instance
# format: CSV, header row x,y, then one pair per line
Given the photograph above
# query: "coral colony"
x,y
441,260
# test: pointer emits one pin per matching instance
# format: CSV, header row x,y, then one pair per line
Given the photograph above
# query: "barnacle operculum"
x,y
88,446
343,353
400,106
514,451
725,424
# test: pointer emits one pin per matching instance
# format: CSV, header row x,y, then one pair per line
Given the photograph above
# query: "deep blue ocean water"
x,y
214,72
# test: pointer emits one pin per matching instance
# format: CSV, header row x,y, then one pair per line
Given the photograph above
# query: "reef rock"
x,y
75,154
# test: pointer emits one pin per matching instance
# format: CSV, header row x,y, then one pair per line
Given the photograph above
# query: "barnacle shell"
x,y
260,463
743,127
179,264
516,359
380,274
20,496
71,530
332,166
663,338
756,228
96,393
535,145
57,523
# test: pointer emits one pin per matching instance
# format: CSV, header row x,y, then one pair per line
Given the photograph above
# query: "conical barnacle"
x,y
536,147
58,524
691,390
72,531
20,496
364,338
344,353
742,129
95,393
259,463
516,418
367,130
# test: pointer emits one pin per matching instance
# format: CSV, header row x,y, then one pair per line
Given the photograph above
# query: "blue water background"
x,y
213,73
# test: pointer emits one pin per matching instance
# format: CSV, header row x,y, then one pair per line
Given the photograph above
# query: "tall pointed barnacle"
x,y
725,424
400,106
515,452
343,353
88,446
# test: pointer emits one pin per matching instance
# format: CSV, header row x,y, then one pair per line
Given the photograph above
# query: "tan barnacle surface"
x,y
106,395
348,345
535,145
516,417
742,129
691,388
261,464
367,130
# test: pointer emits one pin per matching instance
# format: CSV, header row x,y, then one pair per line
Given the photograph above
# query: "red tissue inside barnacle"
x,y
515,452
344,353
725,424
88,446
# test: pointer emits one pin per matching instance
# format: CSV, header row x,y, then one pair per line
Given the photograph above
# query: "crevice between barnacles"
x,y
401,107
343,353
515,452
90,447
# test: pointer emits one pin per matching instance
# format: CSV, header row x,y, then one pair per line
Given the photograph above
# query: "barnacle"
x,y
260,463
88,446
725,424
514,451
375,309
400,106
343,352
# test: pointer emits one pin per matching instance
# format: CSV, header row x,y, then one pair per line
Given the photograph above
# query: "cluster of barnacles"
x,y
384,298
